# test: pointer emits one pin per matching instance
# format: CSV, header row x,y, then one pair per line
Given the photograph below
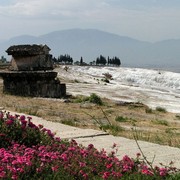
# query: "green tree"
x,y
3,59
81,61
101,60
66,59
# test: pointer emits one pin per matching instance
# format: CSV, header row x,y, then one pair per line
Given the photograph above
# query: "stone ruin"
x,y
31,73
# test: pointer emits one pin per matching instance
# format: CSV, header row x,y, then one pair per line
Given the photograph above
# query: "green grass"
x,y
68,122
178,116
93,98
113,129
160,122
148,110
121,119
161,109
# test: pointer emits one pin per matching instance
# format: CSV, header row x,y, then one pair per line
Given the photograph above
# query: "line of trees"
x,y
65,59
101,60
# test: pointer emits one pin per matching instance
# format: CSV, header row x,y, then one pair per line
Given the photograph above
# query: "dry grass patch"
x,y
151,125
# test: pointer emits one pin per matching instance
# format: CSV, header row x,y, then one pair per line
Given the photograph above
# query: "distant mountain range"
x,y
90,43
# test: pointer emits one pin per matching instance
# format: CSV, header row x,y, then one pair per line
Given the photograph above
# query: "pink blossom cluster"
x,y
58,157
21,130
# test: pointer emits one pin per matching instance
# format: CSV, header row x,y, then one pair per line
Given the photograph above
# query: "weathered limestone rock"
x,y
30,57
29,75
33,83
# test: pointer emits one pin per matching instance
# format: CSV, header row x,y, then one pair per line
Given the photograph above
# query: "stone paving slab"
x,y
153,152
100,139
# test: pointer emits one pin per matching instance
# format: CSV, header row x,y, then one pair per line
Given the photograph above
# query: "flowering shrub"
x,y
21,130
51,158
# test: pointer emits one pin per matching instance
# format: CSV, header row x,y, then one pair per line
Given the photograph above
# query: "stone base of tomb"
x,y
33,83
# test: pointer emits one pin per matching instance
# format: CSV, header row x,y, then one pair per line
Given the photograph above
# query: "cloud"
x,y
136,18
36,8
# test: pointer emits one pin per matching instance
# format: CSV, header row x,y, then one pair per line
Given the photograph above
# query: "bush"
x,y
55,159
149,110
81,99
108,76
161,109
95,99
22,131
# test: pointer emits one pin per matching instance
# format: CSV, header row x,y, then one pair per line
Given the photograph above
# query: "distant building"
x,y
30,57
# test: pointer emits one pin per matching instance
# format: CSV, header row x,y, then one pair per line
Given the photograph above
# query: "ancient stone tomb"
x,y
31,73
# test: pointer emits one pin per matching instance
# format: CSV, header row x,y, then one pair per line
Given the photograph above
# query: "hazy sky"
x,y
149,20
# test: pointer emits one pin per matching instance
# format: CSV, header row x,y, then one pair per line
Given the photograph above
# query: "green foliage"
x,y
178,116
105,80
68,122
53,158
3,59
161,122
66,59
76,81
113,129
108,76
121,119
23,131
101,60
81,61
80,99
94,98
114,61
149,110
161,109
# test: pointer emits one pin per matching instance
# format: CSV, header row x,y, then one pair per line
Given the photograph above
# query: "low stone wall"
x,y
33,83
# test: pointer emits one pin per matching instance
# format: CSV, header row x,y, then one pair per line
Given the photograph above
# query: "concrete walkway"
x,y
100,139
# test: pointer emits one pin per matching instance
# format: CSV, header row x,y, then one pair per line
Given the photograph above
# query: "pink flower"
x,y
163,171
40,126
58,139
114,145
50,133
55,168
146,171
71,149
9,122
1,115
15,177
108,166
31,125
22,117
106,175
82,164
2,174
29,118
23,122
83,152
85,176
90,146
64,157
